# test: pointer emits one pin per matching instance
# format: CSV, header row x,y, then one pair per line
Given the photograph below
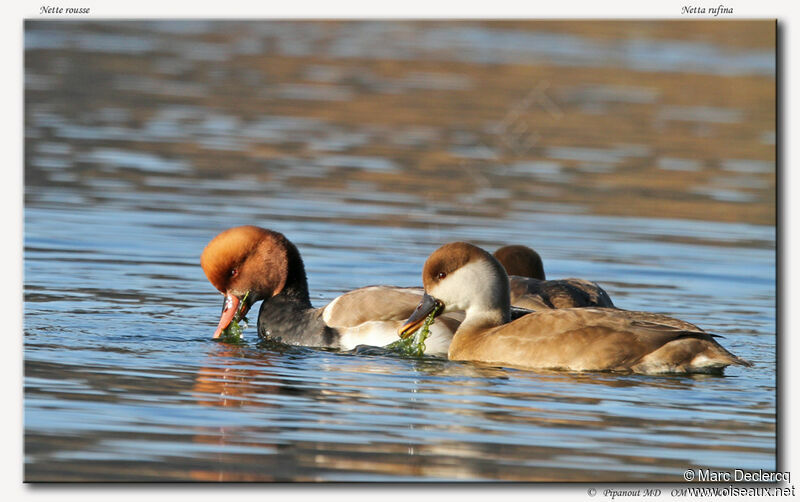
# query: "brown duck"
x,y
463,277
530,290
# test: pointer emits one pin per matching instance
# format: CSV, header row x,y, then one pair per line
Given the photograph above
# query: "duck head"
x,y
461,277
520,260
248,264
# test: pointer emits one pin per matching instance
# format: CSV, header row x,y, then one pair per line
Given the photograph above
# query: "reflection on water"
x,y
638,154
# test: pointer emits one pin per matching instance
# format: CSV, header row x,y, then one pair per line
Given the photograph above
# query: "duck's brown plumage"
x,y
249,258
530,290
581,339
557,294
603,339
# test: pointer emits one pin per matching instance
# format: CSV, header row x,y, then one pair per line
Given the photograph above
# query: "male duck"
x,y
249,264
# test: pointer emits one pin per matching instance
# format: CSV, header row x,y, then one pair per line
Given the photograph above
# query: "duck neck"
x,y
289,317
295,290
478,320
492,306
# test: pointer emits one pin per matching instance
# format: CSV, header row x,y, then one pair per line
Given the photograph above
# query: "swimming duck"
x,y
249,264
460,276
530,290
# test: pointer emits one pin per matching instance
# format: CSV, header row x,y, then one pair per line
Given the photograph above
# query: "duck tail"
x,y
716,358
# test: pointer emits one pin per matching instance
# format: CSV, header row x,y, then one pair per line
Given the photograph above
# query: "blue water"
x,y
125,187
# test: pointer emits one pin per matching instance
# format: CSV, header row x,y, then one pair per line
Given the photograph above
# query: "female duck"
x,y
530,290
250,264
464,277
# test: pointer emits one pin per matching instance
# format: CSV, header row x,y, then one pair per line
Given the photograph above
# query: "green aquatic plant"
x,y
414,346
233,333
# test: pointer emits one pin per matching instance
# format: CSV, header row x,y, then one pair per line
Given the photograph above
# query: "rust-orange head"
x,y
249,263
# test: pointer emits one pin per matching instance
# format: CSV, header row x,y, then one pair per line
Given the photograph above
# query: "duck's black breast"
x,y
292,323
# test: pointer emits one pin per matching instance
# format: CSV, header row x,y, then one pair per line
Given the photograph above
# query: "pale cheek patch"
x,y
473,284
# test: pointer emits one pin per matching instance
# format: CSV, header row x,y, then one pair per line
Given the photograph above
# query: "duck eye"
x,y
441,275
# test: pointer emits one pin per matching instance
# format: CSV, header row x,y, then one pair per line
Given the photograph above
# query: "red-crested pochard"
x,y
463,277
530,290
249,264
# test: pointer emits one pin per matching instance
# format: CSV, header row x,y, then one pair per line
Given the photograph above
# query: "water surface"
x,y
639,155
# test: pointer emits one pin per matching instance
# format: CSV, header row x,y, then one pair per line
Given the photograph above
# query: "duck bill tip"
x,y
409,328
427,305
229,307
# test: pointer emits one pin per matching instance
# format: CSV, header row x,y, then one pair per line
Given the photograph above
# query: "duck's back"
x,y
371,303
598,339
372,315
536,294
